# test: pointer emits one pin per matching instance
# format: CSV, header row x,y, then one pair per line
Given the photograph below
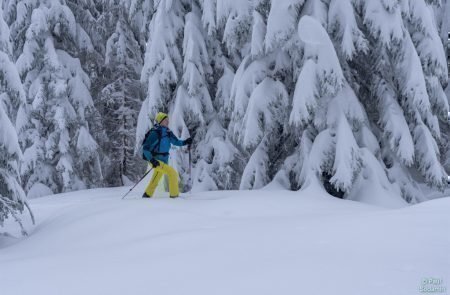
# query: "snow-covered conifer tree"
x,y
217,162
403,107
121,100
192,107
12,197
324,101
163,62
259,98
60,153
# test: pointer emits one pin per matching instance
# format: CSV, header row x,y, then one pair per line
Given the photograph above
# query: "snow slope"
x,y
246,242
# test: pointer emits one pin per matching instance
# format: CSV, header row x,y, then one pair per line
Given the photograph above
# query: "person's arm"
x,y
150,144
174,140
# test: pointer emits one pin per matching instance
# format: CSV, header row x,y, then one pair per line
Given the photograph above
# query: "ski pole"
x,y
190,166
137,183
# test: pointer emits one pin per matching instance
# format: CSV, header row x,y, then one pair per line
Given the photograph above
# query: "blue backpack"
x,y
141,150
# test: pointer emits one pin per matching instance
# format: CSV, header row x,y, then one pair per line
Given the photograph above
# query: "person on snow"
x,y
156,148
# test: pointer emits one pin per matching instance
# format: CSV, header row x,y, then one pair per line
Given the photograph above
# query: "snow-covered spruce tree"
x,y
60,153
389,127
327,106
259,97
192,108
403,107
443,23
218,157
99,19
121,101
88,15
336,145
163,62
12,197
193,113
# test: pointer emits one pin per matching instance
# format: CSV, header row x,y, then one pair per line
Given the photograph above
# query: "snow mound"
x,y
39,190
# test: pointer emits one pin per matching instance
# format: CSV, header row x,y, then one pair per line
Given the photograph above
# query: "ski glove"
x,y
155,163
188,141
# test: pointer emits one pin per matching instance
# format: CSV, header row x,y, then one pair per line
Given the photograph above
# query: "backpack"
x,y
141,149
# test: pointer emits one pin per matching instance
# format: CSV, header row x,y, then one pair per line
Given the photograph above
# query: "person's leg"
x,y
172,174
157,174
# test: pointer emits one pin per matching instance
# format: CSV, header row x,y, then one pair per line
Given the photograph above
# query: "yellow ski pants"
x,y
158,172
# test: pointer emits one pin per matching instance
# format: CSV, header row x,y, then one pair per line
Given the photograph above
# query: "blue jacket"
x,y
159,149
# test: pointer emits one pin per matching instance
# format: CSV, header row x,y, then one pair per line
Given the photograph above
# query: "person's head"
x,y
162,119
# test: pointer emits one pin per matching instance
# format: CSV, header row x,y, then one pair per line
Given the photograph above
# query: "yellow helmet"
x,y
160,117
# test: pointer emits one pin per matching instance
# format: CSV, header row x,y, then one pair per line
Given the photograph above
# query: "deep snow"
x,y
235,242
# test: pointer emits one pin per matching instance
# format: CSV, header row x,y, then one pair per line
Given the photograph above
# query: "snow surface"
x,y
234,242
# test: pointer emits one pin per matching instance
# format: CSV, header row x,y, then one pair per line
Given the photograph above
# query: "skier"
x,y
156,148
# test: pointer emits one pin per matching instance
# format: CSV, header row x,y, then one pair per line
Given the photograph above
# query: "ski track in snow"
x,y
235,242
